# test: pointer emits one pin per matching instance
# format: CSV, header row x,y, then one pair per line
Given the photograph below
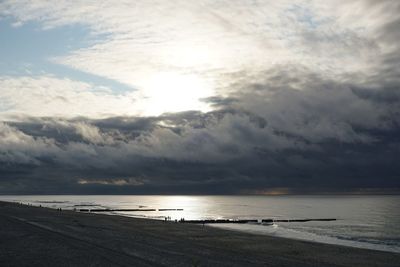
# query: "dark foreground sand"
x,y
31,236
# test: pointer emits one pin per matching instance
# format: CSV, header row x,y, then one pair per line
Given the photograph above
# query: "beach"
x,y
37,236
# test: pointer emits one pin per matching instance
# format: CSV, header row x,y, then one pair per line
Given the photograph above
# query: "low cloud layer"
x,y
322,135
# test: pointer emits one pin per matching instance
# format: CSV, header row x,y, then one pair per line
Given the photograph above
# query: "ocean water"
x,y
371,222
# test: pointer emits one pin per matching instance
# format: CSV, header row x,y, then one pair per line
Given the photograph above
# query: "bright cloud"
x,y
50,96
200,42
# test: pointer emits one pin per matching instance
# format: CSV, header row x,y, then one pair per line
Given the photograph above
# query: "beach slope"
x,y
33,236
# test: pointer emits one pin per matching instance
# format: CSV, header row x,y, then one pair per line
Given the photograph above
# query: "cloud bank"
x,y
266,135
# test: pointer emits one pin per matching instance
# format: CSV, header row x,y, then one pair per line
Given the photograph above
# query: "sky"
x,y
199,96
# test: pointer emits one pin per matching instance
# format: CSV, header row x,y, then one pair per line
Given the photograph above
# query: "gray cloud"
x,y
289,128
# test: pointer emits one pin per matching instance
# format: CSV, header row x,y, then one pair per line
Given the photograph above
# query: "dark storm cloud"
x,y
291,128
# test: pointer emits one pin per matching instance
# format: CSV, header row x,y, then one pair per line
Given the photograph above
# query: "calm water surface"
x,y
363,221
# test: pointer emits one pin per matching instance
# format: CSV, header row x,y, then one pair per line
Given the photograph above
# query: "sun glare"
x,y
175,92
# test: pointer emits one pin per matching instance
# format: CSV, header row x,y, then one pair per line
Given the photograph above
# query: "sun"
x,y
175,92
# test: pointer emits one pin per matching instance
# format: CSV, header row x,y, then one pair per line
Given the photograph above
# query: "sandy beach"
x,y
33,236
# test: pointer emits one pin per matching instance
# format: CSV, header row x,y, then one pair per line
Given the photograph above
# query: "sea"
x,y
364,221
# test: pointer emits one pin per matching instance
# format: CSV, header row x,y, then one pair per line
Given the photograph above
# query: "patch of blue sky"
x,y
27,50
305,15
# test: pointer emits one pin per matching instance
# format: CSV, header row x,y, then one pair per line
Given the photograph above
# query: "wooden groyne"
x,y
306,220
111,210
263,221
214,221
218,221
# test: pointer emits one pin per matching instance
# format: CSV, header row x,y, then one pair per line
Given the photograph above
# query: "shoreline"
x,y
229,224
38,236
230,227
322,240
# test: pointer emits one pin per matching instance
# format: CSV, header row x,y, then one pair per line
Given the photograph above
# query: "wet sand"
x,y
33,236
